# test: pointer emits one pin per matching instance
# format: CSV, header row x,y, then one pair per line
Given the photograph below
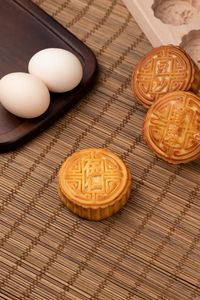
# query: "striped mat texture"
x,y
151,248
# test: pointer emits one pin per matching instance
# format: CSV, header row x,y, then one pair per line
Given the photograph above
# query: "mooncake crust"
x,y
162,70
94,183
172,125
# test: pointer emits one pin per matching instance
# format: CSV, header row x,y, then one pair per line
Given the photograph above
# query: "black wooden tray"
x,y
26,29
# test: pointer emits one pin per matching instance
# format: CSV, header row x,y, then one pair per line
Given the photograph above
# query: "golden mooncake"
x,y
172,127
94,183
162,70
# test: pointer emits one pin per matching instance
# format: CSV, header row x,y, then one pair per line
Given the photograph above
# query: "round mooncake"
x,y
172,127
162,70
94,183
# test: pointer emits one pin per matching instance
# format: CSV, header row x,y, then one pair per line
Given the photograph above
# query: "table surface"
x,y
151,248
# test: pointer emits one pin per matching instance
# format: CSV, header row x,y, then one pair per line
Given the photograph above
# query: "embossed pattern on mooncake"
x,y
171,127
162,70
94,179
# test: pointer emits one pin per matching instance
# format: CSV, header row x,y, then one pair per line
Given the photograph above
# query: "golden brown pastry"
x,y
94,183
162,70
172,127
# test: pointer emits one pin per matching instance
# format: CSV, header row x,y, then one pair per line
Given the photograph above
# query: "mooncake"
x,y
94,183
172,127
162,70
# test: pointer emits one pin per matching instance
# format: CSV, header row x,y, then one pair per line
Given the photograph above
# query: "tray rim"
x,y
7,142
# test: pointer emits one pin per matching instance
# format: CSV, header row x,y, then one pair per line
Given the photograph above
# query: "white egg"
x,y
24,95
59,69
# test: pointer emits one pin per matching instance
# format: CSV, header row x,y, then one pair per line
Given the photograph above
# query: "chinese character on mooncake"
x,y
94,183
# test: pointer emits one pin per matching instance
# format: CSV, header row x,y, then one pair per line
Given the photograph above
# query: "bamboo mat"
x,y
151,248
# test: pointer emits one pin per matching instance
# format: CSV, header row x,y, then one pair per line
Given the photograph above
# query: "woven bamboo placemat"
x,y
151,248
